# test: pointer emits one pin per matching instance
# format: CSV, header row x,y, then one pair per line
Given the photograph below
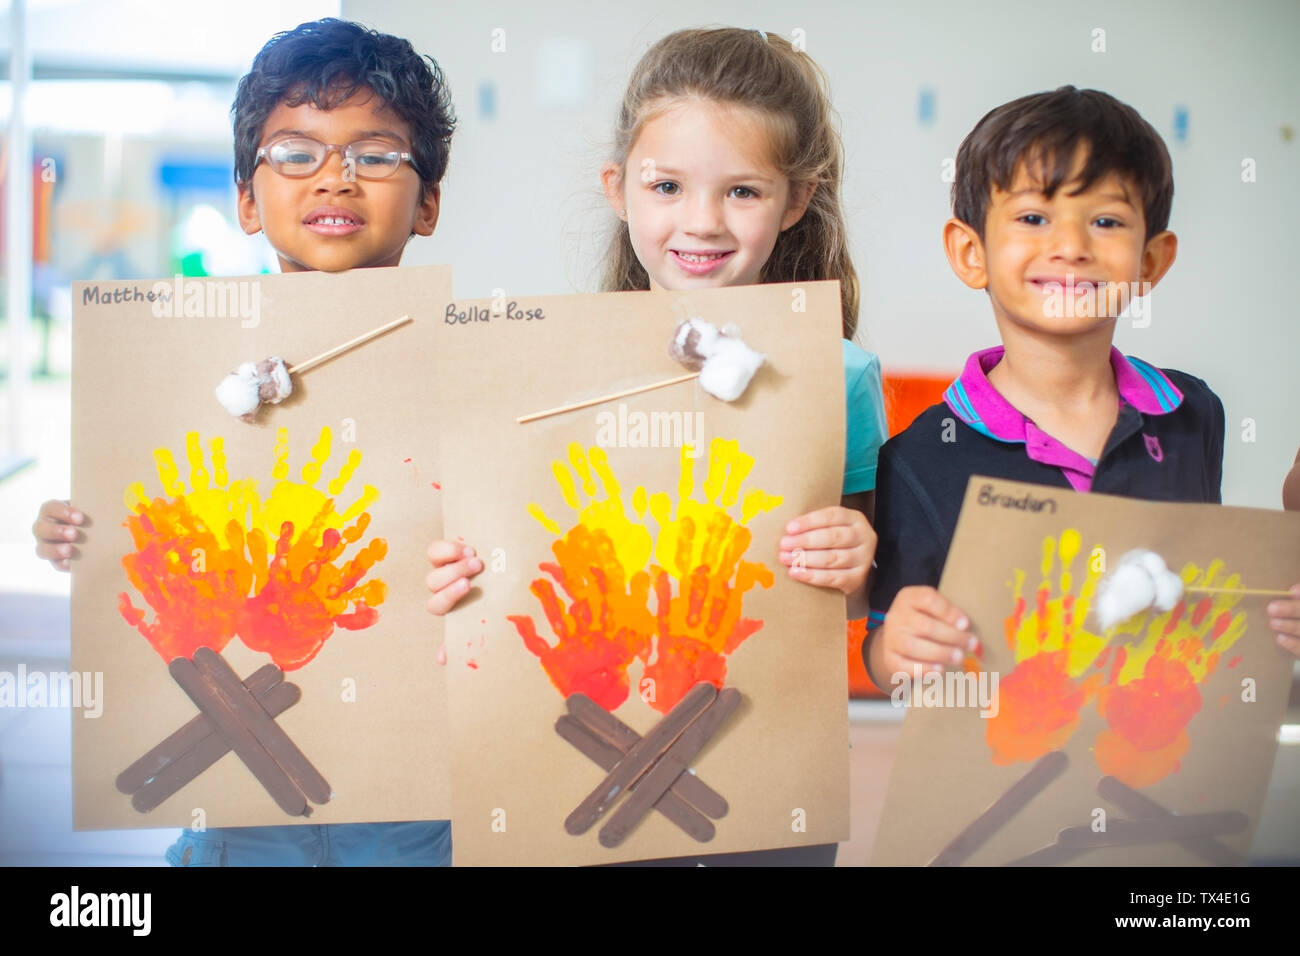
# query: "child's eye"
x,y
1032,219
1108,222
743,192
666,188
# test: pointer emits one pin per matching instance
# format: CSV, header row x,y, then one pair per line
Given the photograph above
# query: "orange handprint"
x,y
1154,690
1147,689
602,568
206,563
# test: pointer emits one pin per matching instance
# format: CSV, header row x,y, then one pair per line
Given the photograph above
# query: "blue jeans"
x,y
418,843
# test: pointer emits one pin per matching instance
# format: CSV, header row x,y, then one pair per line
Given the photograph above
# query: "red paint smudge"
x,y
1234,662
436,485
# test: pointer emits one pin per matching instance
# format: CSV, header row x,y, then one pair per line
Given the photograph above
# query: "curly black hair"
x,y
1045,131
326,61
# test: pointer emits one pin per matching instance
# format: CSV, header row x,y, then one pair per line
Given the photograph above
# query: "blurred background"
x,y
117,163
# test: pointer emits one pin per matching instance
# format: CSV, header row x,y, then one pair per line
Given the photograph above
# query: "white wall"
x,y
522,209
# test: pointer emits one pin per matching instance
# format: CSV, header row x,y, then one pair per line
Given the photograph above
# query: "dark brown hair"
x,y
1044,133
326,61
765,73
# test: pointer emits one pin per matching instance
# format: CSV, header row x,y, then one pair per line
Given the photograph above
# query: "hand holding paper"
x,y
55,529
1284,618
830,548
922,632
449,581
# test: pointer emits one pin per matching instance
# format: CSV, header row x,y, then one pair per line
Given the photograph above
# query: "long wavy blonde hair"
x,y
765,73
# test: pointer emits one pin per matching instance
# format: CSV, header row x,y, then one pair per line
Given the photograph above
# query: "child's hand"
x,y
56,528
831,548
1284,618
453,565
922,632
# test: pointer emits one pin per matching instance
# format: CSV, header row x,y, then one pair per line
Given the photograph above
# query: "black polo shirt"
x,y
1167,445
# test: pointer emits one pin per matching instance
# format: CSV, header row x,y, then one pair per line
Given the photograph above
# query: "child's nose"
x,y
1070,239
336,174
705,216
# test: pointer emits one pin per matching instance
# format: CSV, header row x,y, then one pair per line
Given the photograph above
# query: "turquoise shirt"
x,y
866,428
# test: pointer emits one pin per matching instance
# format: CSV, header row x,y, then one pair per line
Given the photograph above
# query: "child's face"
x,y
703,202
1067,264
379,214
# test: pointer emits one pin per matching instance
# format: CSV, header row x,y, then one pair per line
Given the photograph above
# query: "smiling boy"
x,y
1060,212
341,140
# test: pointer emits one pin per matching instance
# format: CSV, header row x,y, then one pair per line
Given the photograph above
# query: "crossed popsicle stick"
x,y
652,770
233,715
1153,823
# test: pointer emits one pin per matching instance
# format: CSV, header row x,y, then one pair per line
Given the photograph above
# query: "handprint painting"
x,y
1144,676
1149,742
215,558
644,581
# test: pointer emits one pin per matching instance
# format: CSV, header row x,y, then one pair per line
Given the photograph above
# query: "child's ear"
x,y
801,195
965,252
249,221
426,213
1158,256
611,180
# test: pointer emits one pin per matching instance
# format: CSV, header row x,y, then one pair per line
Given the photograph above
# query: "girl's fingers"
x,y
442,552
449,574
1290,644
833,536
821,518
845,581
826,558
445,599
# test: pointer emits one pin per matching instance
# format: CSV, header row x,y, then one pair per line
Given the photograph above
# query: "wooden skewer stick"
x,y
525,419
1238,591
352,343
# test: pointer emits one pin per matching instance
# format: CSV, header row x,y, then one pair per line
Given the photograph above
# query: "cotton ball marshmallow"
x,y
244,390
725,363
1140,581
693,342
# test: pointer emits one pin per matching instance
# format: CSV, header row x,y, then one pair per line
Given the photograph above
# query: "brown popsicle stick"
x,y
612,730
1138,804
268,733
1053,855
191,735
607,756
640,757
1047,769
1155,829
671,765
229,724
209,750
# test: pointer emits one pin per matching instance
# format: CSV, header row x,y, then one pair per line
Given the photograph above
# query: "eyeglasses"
x,y
298,156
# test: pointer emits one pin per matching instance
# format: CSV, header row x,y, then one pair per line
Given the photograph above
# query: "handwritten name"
x,y
1028,503
463,315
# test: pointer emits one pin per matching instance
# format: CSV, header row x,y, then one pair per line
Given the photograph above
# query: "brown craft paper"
x,y
780,761
370,718
954,765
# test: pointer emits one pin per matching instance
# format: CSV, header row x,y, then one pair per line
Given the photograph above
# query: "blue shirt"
x,y
866,428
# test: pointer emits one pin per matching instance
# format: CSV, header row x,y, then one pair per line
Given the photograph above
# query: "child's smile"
x,y
1064,264
704,203
332,220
